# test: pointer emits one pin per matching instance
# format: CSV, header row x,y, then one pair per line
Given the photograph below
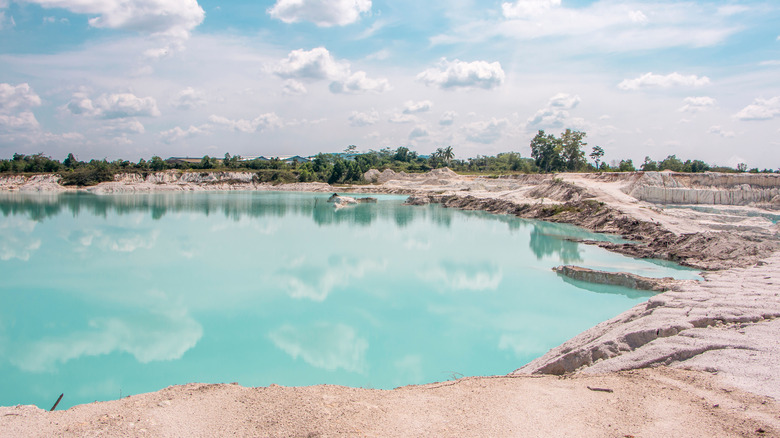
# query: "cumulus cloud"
x,y
696,104
717,130
412,107
189,98
564,101
259,123
486,132
323,13
556,113
528,8
23,121
367,118
459,74
760,109
358,83
418,132
16,97
651,80
177,133
318,64
172,18
113,106
448,118
291,87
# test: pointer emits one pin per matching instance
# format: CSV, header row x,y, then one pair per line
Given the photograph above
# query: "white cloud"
x,y
412,107
770,63
717,130
323,13
760,109
318,63
173,18
189,98
367,118
359,83
418,132
259,123
637,17
448,118
323,345
124,126
6,22
113,106
528,8
651,80
291,87
176,133
23,121
15,97
486,132
696,104
564,101
556,113
403,118
459,74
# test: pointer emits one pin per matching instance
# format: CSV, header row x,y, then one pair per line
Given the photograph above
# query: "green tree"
x,y
649,165
626,166
157,164
448,154
338,172
671,163
70,162
545,152
596,155
571,152
206,163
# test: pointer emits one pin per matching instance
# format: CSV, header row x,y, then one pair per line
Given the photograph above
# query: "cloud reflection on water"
x,y
323,345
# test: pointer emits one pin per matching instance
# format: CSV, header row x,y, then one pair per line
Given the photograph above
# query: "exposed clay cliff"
x,y
706,188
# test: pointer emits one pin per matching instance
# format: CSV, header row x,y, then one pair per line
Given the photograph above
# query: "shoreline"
x,y
723,330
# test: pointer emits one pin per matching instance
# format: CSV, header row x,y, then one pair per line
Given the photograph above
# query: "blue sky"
x,y
135,78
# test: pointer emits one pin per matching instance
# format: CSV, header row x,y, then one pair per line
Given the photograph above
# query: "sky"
x,y
135,78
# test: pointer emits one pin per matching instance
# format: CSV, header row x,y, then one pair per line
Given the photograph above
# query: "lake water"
x,y
105,296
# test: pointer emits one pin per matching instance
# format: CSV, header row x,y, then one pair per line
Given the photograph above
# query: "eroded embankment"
x,y
709,251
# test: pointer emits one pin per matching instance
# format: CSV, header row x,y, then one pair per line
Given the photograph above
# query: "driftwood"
x,y
57,402
599,389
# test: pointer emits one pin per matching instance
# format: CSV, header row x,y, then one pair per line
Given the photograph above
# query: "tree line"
x,y
549,153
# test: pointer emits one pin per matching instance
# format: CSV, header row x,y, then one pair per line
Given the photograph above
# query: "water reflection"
x,y
546,244
609,289
323,345
139,292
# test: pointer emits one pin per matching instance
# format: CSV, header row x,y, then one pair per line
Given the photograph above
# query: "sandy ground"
x,y
700,361
644,403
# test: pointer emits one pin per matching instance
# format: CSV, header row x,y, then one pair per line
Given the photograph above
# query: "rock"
x,y
625,279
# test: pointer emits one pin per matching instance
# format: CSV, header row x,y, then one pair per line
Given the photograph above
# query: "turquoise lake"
x,y
105,296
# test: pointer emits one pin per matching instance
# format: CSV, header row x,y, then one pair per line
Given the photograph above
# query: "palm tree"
x,y
447,154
